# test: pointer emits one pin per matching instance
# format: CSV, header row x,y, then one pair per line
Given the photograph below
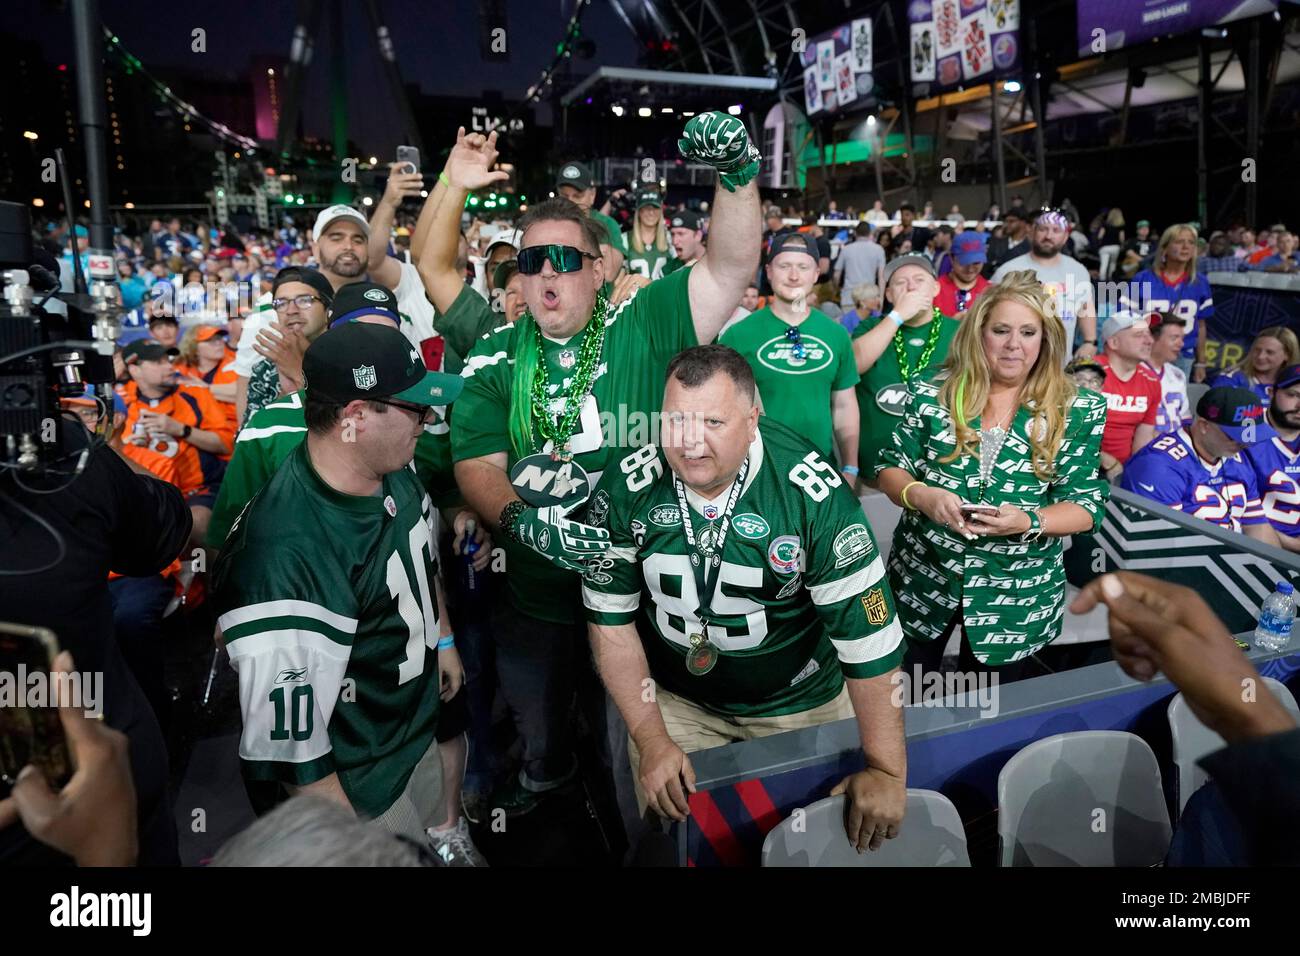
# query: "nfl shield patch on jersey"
x,y
877,610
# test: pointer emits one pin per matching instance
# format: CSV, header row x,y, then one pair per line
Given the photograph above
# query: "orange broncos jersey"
x,y
174,459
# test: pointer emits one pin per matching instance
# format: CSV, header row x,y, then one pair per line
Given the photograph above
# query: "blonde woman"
x,y
996,462
205,361
1173,284
648,248
1274,349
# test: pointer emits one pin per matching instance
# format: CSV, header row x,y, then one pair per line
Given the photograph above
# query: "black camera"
x,y
44,355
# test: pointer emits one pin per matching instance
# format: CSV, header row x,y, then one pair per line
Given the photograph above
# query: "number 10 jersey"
x,y
328,608
801,600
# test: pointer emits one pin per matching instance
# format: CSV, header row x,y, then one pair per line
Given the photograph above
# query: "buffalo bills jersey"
x,y
1170,471
1277,473
1189,300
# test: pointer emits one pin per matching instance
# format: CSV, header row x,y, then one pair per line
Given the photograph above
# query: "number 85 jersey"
x,y
801,600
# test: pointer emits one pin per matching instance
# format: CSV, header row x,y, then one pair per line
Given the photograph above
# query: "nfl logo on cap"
x,y
364,377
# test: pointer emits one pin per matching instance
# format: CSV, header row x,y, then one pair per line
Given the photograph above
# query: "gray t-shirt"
x,y
860,261
1068,281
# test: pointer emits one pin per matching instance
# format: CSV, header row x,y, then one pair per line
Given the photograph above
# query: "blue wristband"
x,y
447,643
850,470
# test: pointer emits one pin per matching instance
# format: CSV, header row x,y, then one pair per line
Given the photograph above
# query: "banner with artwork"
x,y
837,68
1108,25
960,41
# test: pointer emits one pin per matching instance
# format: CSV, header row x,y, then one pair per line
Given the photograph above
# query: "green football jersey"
x,y
650,263
641,335
882,394
468,320
801,601
273,433
327,605
797,392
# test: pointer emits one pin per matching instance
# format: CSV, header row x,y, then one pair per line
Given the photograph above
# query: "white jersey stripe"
x,y
832,592
476,362
864,650
610,603
292,639
253,434
288,608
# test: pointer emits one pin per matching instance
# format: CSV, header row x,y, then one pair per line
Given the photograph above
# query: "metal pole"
x,y
338,96
1203,132
88,38
1000,183
878,147
1252,120
1040,118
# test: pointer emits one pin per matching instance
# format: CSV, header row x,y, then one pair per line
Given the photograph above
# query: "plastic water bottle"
x,y
1275,617
468,549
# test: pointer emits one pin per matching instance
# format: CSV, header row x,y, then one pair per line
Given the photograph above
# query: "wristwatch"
x,y
1035,527
187,431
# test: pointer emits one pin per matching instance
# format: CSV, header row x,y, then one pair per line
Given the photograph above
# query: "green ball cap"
x,y
362,361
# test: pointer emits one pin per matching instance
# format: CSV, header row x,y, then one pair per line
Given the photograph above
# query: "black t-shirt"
x,y
110,519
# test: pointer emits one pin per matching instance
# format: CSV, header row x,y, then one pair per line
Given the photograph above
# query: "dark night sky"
x,y
437,44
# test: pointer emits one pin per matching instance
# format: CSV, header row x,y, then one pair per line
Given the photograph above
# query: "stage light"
x,y
643,111
616,110
424,194
367,201
288,198
373,160
38,202
735,110
666,109
1011,86
28,134
300,201
871,121
129,205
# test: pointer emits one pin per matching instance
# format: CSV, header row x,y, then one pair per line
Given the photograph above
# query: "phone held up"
x,y
410,156
30,735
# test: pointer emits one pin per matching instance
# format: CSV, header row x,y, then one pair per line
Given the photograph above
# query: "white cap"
x,y
1119,322
339,211
510,237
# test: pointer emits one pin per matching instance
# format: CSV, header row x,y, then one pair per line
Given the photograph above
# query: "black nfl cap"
x,y
686,219
1231,408
793,242
311,277
576,175
363,298
359,361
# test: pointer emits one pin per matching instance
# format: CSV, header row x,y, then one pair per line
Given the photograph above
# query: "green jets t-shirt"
x,y
615,235
801,602
468,320
882,395
641,335
327,606
651,263
797,392
272,434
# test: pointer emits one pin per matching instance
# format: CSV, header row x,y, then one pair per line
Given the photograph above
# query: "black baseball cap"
x,y
363,298
144,350
311,277
577,175
793,242
1287,377
362,361
686,219
1231,408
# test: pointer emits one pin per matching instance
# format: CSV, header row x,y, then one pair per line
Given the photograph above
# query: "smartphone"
x,y
409,155
30,734
971,508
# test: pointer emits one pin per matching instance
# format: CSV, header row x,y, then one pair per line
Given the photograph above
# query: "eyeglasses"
x,y
797,348
563,258
303,302
424,413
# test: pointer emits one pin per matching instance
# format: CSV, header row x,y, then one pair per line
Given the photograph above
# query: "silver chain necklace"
x,y
991,442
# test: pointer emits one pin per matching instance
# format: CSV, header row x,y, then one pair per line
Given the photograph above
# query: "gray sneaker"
x,y
455,847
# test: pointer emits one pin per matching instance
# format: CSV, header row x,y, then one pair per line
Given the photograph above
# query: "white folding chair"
x,y
931,835
1193,740
1091,798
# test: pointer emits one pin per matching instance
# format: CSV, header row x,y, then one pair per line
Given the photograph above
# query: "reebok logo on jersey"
x,y
291,676
812,667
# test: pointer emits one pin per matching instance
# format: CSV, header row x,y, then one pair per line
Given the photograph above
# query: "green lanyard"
x,y
936,327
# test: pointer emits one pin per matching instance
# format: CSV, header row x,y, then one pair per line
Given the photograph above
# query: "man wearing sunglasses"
x,y
802,360
329,597
578,380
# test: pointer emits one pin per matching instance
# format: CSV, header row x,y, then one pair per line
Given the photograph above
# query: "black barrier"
x,y
1245,303
1232,572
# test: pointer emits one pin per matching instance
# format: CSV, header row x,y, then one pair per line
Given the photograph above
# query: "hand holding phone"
x,y
972,508
408,159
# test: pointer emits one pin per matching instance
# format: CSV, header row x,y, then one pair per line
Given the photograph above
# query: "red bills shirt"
x,y
1128,404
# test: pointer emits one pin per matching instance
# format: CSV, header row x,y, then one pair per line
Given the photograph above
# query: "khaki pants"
x,y
421,803
693,728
